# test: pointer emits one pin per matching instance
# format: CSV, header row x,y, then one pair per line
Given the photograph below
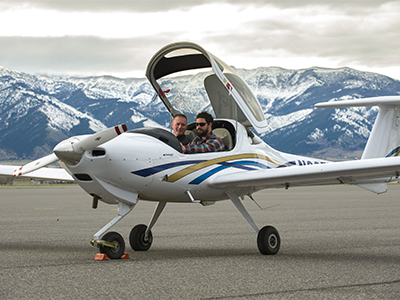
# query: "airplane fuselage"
x,y
136,166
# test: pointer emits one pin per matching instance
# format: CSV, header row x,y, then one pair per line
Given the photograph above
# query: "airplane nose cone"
x,y
66,153
70,151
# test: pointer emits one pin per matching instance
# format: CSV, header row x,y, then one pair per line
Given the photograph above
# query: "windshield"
x,y
186,94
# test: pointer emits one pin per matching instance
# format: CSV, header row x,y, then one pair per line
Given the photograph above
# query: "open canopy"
x,y
226,94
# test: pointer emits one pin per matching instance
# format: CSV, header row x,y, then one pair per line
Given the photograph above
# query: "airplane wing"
x,y
349,172
43,173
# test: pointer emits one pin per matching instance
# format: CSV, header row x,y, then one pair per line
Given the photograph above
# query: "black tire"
x,y
136,238
113,253
268,241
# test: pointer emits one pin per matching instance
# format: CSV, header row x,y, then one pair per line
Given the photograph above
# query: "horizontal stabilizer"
x,y
374,101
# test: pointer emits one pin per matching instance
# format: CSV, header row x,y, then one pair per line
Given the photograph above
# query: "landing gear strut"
x,y
140,237
113,243
268,239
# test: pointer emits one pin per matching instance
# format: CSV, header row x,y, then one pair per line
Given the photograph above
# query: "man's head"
x,y
179,124
203,124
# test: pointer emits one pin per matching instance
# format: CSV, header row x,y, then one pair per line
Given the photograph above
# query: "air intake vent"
x,y
83,177
98,152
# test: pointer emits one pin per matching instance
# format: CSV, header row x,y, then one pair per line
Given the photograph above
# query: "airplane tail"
x,y
384,140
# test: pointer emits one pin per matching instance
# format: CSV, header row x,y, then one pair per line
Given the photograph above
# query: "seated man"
x,y
205,141
179,125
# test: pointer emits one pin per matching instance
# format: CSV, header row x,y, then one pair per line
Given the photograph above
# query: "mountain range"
x,y
37,111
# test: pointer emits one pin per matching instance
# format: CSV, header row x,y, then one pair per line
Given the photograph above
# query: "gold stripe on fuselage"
x,y
188,170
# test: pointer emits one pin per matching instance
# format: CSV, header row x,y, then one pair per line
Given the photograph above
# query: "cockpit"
x,y
224,129
218,90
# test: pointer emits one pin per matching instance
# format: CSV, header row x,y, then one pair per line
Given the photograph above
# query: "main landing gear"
x,y
268,239
113,245
139,240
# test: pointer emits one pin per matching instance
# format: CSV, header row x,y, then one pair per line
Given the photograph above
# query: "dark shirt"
x,y
211,143
183,139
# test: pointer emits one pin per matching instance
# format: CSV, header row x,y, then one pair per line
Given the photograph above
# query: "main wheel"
x,y
137,238
268,240
113,253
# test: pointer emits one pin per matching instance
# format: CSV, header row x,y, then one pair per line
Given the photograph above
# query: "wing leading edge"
x,y
367,171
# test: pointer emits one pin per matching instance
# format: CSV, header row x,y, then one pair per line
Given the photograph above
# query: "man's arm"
x,y
211,144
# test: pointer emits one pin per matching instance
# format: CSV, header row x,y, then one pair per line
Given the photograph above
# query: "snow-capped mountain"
x,y
288,97
36,112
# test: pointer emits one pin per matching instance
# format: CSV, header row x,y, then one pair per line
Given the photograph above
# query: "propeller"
x,y
36,164
70,151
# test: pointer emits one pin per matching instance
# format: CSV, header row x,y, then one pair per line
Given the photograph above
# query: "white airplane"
x,y
121,167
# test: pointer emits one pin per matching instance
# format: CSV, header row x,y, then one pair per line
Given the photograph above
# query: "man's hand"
x,y
183,148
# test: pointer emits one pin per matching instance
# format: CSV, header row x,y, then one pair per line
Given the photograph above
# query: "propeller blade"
x,y
36,164
70,151
98,138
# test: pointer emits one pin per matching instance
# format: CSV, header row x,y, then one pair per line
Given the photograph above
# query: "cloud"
x,y
88,38
369,37
103,6
83,56
163,5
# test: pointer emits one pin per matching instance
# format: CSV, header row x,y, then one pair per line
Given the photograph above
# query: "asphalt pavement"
x,y
338,242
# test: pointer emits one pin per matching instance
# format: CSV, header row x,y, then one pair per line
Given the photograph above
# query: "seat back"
x,y
226,137
190,135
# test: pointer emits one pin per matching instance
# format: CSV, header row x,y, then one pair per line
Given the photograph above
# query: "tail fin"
x,y
384,140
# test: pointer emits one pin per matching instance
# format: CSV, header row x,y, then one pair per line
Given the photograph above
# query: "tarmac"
x,y
337,242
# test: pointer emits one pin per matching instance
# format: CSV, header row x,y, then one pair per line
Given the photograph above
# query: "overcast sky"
x,y
118,37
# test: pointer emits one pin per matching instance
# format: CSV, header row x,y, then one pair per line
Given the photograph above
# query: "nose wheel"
x,y
115,246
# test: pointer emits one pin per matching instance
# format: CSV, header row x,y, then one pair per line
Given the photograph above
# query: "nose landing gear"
x,y
114,245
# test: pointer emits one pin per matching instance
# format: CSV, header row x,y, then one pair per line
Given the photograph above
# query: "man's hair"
x,y
206,116
179,115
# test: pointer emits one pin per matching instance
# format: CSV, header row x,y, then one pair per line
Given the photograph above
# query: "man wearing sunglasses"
x,y
205,141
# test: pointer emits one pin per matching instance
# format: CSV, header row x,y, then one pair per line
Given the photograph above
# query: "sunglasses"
x,y
200,124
